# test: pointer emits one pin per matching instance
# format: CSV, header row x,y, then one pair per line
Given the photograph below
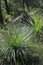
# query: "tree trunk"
x,y
1,17
24,2
7,7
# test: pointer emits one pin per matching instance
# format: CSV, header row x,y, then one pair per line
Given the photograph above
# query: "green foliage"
x,y
38,20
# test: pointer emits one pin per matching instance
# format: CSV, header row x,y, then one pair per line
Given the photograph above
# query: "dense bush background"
x,y
21,32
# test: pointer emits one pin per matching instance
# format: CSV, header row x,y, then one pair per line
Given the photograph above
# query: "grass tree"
x,y
17,47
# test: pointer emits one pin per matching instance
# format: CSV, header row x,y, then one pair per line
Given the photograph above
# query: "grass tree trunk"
x,y
1,17
7,7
